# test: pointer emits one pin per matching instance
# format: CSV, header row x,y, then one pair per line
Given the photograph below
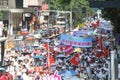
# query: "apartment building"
x,y
13,10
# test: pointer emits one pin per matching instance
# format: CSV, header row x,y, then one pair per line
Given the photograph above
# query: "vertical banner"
x,y
68,49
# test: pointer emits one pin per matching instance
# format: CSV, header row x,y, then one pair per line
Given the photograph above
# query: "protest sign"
x,y
76,41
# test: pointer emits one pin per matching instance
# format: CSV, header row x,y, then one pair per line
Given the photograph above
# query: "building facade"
x,y
13,9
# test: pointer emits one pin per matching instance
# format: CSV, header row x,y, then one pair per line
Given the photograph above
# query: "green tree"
x,y
113,14
72,5
1,14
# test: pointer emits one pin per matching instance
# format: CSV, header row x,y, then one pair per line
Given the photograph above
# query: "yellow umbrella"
x,y
77,50
81,25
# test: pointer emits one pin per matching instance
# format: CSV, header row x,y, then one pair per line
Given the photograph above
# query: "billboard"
x,y
76,41
27,3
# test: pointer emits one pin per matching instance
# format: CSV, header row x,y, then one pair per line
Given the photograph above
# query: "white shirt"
x,y
100,75
26,77
1,30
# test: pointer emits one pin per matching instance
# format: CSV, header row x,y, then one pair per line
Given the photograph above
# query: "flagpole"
x,y
48,58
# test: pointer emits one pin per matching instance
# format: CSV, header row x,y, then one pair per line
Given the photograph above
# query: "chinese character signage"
x,y
82,33
76,41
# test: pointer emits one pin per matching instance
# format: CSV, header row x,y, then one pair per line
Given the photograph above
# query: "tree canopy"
x,y
1,14
79,8
113,14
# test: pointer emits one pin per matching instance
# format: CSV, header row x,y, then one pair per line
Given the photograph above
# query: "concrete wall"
x,y
12,4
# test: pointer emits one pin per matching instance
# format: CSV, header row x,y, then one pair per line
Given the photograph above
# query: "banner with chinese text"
x,y
76,41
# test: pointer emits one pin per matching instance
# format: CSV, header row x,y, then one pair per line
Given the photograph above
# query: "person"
x,y
28,27
10,76
11,69
26,76
2,76
11,29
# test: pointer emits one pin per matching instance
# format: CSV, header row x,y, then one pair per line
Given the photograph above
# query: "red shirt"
x,y
3,77
9,76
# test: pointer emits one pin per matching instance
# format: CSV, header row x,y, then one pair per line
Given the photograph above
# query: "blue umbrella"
x,y
69,73
61,72
38,56
30,48
21,47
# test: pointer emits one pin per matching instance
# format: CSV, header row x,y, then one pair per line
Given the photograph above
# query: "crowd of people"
x,y
94,61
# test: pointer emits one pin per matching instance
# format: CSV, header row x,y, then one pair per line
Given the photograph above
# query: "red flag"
x,y
95,23
75,60
50,61
46,46
106,52
100,54
101,43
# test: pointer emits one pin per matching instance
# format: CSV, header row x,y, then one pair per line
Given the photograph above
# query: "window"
x,y
19,3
